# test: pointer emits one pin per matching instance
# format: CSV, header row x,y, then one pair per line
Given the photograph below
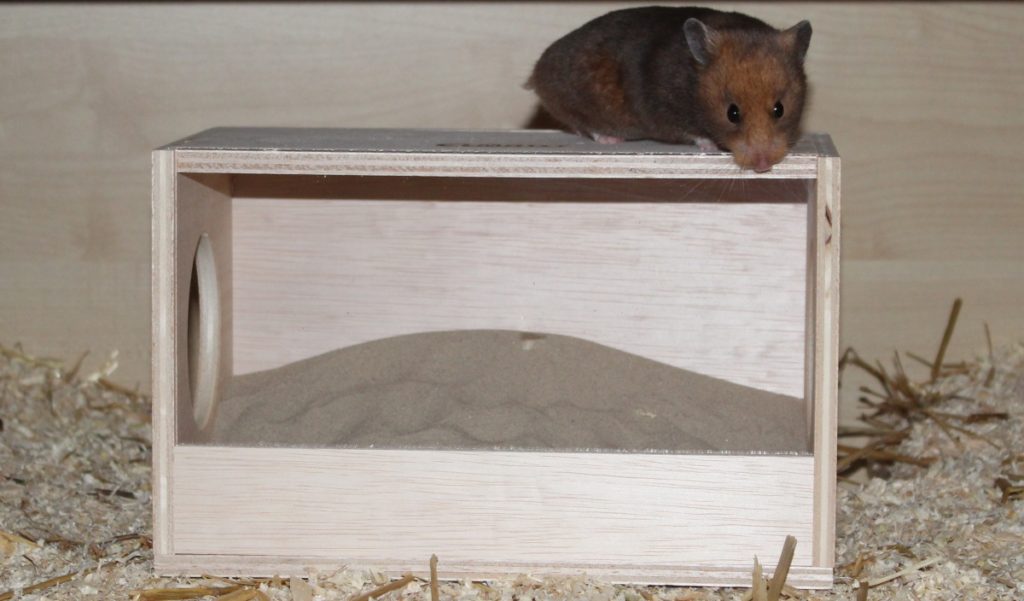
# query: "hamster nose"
x,y
758,157
762,163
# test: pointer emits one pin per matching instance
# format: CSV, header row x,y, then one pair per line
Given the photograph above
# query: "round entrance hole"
x,y
203,334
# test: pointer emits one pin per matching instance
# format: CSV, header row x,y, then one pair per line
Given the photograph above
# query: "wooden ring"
x,y
204,334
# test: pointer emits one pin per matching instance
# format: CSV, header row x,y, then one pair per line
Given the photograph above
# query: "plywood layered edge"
x,y
284,565
825,311
490,154
163,324
716,166
270,566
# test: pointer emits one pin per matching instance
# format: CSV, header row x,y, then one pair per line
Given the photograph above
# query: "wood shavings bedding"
x,y
75,507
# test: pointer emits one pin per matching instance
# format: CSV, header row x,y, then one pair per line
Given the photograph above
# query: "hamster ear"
x,y
701,39
799,38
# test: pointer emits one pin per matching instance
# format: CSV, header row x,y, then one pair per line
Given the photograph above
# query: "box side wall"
x,y
183,208
202,208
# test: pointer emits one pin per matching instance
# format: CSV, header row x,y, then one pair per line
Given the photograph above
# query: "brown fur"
x,y
754,77
635,73
606,85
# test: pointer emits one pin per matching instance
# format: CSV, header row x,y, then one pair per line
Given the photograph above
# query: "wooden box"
x,y
271,246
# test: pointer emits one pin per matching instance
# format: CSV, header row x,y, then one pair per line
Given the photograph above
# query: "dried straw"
x,y
899,403
385,589
435,594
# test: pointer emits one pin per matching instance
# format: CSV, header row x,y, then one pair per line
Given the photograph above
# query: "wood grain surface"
x,y
921,98
638,515
664,268
697,286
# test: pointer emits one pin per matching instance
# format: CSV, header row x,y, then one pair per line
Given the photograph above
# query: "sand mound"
x,y
493,389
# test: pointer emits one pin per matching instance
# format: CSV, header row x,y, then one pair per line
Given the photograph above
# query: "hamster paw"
x,y
603,139
706,145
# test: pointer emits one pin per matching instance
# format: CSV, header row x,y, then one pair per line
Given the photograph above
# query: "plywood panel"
x,y
922,99
679,276
624,509
677,283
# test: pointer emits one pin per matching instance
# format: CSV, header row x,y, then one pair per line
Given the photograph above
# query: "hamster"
x,y
680,75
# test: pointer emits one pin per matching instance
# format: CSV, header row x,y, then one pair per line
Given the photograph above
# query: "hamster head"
x,y
751,89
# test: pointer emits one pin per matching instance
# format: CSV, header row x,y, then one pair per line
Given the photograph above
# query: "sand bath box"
x,y
521,351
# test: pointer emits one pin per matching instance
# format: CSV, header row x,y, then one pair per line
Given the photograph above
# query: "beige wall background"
x,y
923,100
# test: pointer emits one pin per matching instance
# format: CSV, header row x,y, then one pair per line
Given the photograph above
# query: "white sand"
x,y
491,389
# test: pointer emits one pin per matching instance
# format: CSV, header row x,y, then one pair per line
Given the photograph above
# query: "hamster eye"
x,y
733,113
778,110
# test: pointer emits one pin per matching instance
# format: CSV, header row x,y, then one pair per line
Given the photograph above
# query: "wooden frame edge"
x,y
802,577
826,358
455,164
162,344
